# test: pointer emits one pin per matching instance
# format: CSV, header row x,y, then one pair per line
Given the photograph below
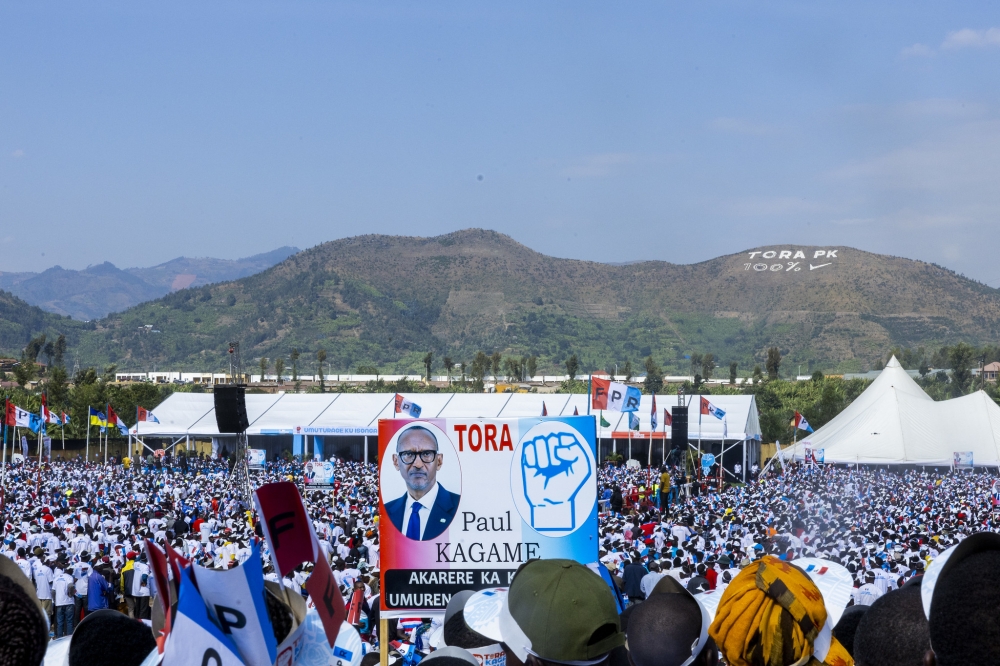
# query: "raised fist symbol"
x,y
554,468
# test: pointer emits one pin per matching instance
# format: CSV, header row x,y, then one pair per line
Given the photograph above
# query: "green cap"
x,y
561,611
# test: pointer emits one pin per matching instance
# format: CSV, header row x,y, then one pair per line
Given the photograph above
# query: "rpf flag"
x,y
404,406
652,415
623,398
115,421
194,638
668,419
709,408
235,600
545,411
146,415
799,421
292,540
18,417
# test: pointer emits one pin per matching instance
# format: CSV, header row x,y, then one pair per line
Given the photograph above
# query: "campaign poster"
x,y
464,502
256,458
963,459
319,474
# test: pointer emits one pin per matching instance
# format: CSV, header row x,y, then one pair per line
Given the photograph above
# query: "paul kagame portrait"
x,y
426,508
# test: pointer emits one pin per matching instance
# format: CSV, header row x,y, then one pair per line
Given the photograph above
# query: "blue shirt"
x,y
97,589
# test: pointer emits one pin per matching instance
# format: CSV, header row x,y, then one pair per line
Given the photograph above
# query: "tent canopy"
x,y
895,422
358,413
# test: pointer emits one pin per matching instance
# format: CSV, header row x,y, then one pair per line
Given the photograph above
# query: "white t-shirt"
x,y
138,589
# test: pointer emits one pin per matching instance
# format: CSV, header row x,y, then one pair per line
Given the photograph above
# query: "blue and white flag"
x,y
194,638
235,601
623,398
404,406
709,408
633,421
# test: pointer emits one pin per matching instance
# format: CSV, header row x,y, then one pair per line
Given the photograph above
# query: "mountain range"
x,y
386,301
96,291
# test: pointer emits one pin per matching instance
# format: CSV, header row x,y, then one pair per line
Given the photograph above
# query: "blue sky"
x,y
137,132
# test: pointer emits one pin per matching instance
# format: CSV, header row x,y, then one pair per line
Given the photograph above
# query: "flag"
x,y
725,428
652,415
292,540
576,412
146,415
799,421
194,638
604,423
65,419
709,408
18,417
545,411
98,418
668,420
633,421
235,601
404,406
614,396
113,420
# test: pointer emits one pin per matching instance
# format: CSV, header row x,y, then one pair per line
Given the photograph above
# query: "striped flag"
x,y
668,420
235,600
708,408
652,415
545,411
799,421
194,638
404,406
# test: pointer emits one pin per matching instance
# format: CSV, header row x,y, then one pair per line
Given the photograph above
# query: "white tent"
x,y
193,414
895,422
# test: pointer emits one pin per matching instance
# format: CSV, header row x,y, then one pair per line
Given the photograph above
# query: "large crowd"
x,y
689,573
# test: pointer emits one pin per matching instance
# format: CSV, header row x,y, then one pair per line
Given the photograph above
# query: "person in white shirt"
x,y
42,575
64,597
140,587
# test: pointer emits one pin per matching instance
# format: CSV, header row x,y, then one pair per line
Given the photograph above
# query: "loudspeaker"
x,y
231,409
679,428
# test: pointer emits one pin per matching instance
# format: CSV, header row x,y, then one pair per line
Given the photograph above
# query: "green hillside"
x,y
19,322
386,301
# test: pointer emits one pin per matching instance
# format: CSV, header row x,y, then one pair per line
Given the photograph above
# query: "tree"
x,y
24,371
495,362
524,368
295,365
321,359
627,369
49,350
572,366
462,367
817,377
758,375
480,366
60,349
513,367
707,365
448,365
695,362
532,366
57,388
732,372
773,362
279,368
961,357
428,362
654,376
263,368
34,348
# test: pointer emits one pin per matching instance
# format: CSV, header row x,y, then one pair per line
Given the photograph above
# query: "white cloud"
x,y
17,153
598,166
969,38
740,126
916,51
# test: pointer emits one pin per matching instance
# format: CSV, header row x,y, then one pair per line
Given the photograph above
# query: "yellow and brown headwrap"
x,y
771,615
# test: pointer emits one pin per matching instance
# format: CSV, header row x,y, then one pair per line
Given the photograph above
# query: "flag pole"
x,y
87,454
589,392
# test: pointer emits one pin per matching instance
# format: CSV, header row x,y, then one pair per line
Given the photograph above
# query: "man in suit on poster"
x,y
427,508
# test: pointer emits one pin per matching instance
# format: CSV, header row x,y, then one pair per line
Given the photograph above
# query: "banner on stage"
x,y
256,458
319,474
963,459
811,456
464,502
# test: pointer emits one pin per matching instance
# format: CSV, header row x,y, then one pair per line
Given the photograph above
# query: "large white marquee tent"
x,y
356,415
895,422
